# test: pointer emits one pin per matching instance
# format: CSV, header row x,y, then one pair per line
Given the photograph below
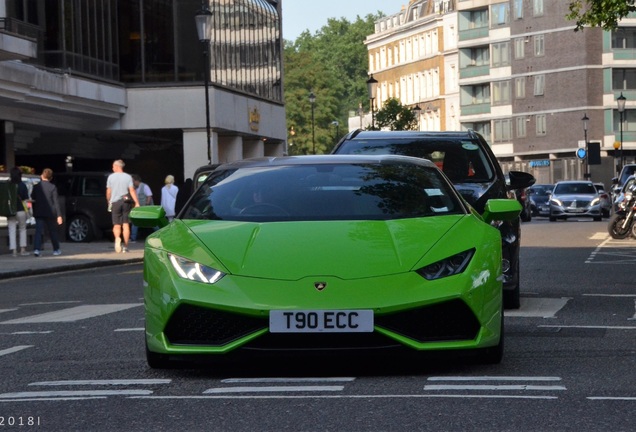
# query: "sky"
x,y
312,15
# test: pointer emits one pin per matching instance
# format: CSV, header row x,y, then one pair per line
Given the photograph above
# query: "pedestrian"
x,y
169,197
119,186
19,221
144,195
46,210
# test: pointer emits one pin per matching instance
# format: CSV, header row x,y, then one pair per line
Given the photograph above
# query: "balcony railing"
x,y
20,28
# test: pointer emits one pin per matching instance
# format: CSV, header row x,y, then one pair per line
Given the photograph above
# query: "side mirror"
x,y
149,216
520,180
501,210
614,180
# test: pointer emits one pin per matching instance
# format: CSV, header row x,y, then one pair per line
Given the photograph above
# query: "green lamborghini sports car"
x,y
323,254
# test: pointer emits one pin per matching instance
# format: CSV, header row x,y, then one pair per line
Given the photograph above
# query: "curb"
x,y
68,267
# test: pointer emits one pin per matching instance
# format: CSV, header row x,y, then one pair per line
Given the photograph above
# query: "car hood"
x,y
344,249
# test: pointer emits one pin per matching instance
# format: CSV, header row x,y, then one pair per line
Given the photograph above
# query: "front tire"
x,y
511,298
615,228
79,229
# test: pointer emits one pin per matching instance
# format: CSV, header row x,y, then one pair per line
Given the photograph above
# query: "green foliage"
x,y
333,64
599,13
395,116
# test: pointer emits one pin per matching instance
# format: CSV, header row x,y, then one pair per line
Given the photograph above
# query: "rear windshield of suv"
x,y
463,161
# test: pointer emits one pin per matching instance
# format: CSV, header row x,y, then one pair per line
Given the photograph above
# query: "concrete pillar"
x,y
253,148
195,153
230,149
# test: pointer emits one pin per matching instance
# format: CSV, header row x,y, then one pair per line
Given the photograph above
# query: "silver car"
x,y
575,199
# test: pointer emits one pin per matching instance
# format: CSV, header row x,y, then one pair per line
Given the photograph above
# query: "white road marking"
x,y
30,332
437,387
14,349
591,327
286,380
620,398
609,295
8,310
102,382
50,303
51,399
492,378
538,307
73,314
267,389
599,236
74,393
129,329
369,396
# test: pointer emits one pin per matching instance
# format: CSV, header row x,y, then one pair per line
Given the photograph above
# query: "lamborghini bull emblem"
x,y
320,285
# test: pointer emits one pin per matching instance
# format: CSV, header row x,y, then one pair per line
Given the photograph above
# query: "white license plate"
x,y
321,321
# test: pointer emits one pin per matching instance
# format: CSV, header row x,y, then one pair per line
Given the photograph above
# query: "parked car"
x,y
539,197
468,161
606,201
83,195
620,196
575,199
618,182
323,254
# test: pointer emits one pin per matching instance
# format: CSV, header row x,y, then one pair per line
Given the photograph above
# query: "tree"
x,y
599,13
333,64
395,116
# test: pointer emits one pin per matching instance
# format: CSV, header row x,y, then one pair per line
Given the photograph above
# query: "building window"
x,y
537,7
503,130
479,56
520,87
475,95
539,45
521,126
520,48
540,124
539,85
501,54
482,128
473,19
518,9
624,38
624,79
500,13
501,93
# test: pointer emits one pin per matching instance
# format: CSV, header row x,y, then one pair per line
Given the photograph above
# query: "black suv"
x,y
468,161
83,194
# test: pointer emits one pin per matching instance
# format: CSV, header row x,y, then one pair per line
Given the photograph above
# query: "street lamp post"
x,y
312,101
586,176
203,21
621,110
417,110
372,87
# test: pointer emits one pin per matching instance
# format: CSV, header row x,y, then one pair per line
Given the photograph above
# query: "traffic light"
x,y
594,153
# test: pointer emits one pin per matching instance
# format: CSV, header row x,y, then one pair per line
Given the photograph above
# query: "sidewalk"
x,y
74,256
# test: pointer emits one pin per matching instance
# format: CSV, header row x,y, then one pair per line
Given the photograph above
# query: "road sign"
x,y
581,153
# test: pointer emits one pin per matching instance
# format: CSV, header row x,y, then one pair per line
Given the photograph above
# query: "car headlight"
x,y
556,202
194,271
448,266
595,201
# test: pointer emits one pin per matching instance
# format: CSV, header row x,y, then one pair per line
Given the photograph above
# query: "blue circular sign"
x,y
581,153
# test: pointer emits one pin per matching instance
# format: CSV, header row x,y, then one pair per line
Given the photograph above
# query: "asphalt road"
x,y
72,359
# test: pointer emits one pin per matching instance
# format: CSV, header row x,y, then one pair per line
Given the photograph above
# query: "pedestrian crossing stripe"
x,y
73,314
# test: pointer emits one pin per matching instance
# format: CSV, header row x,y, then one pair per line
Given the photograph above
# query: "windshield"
x,y
574,188
324,192
462,160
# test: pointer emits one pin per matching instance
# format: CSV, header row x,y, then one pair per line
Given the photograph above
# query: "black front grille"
x,y
449,321
193,325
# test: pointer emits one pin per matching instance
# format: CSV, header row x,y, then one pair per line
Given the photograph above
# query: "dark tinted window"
x,y
463,161
324,192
